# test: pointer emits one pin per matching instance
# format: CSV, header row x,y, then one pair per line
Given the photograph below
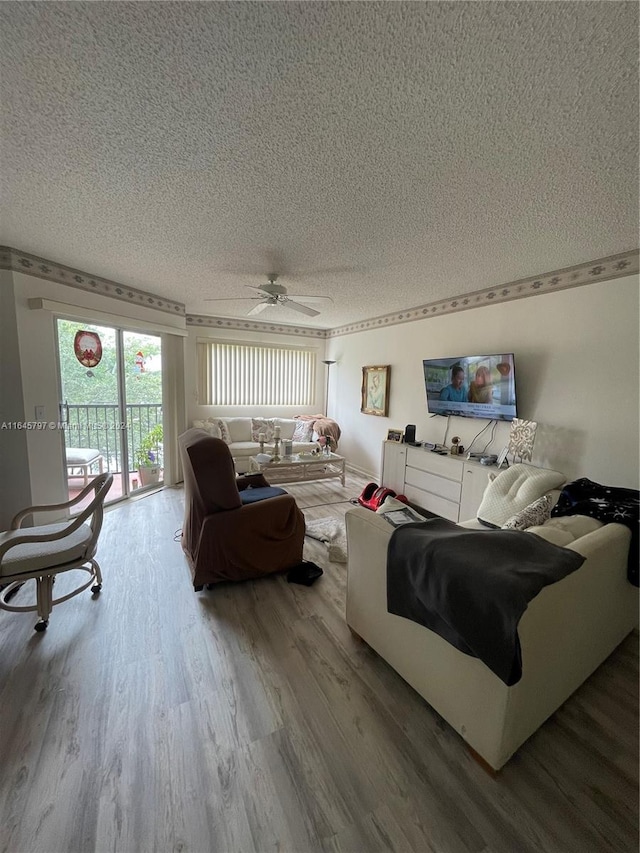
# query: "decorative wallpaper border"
x,y
204,321
12,259
604,269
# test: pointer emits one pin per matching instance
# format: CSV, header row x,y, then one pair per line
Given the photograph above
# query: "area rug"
x,y
332,533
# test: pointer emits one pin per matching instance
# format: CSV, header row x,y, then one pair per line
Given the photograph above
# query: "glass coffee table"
x,y
301,468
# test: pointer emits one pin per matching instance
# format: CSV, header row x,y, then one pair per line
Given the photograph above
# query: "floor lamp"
x,y
328,362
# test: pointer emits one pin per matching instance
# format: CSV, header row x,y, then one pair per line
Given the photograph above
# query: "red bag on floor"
x,y
373,495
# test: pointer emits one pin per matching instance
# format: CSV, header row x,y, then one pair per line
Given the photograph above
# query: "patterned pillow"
x,y
303,431
210,426
223,426
264,425
533,515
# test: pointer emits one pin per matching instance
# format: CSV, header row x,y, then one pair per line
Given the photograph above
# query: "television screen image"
x,y
472,386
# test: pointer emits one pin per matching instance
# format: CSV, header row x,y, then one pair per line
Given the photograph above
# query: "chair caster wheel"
x,y
41,625
95,589
198,588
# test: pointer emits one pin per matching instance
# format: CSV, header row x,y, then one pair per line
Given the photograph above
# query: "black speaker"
x,y
409,434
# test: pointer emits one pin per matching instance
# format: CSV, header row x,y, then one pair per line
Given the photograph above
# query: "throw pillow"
x,y
222,425
514,489
209,426
303,431
533,515
264,425
213,428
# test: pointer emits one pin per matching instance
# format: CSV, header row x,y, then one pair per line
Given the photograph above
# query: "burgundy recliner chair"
x,y
224,538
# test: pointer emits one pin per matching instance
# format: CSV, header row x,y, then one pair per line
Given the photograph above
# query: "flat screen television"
x,y
472,386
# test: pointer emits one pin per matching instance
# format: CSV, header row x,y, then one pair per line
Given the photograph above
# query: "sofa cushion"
x,y
261,493
552,534
31,556
513,490
575,525
287,426
239,429
264,425
535,514
244,448
572,528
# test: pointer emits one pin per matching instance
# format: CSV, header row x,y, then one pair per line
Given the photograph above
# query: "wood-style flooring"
x,y
248,718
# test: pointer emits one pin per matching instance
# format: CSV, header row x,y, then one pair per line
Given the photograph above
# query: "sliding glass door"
x,y
111,406
142,372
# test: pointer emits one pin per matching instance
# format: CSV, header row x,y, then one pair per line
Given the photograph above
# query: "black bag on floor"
x,y
305,573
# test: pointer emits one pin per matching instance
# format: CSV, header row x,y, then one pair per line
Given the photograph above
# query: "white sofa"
x,y
242,446
566,633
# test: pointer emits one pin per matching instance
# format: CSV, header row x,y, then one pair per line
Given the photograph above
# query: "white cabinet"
x,y
394,455
445,485
475,480
434,482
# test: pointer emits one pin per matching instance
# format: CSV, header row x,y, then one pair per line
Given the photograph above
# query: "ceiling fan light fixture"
x,y
272,293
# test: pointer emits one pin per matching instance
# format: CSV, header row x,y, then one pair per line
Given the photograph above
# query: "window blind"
x,y
249,375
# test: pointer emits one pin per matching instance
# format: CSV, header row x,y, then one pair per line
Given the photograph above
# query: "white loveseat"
x,y
567,631
242,445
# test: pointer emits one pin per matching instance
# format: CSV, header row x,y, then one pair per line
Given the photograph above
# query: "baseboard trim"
x,y
353,469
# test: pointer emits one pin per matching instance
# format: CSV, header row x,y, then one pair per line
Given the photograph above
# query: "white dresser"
x,y
449,486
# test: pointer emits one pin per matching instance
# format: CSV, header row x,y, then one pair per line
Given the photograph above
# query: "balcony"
x,y
98,426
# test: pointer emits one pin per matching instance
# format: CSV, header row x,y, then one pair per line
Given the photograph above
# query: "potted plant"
x,y
148,456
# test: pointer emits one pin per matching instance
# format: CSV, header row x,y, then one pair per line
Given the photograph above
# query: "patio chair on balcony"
x,y
44,551
82,459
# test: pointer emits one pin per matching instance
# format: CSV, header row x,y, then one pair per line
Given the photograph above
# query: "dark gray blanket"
x,y
472,586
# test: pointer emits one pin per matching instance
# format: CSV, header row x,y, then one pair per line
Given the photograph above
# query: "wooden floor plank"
x,y
248,718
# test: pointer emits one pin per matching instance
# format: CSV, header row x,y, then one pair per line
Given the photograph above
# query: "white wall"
x,y
13,442
196,411
576,355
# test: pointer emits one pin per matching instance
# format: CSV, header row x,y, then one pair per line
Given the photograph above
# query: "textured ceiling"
x,y
386,154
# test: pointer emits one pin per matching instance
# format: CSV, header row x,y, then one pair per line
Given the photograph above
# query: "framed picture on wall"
x,y
375,390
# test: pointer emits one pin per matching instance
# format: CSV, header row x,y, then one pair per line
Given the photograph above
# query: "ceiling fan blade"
x,y
303,309
305,298
258,309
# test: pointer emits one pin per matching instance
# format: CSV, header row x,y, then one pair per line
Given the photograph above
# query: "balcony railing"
x,y
98,425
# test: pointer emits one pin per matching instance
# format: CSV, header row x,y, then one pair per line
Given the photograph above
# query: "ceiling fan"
x,y
272,293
